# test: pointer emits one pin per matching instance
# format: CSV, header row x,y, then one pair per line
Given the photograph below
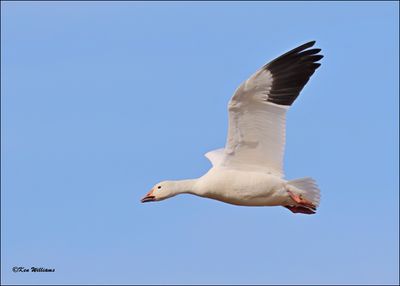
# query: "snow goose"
x,y
249,171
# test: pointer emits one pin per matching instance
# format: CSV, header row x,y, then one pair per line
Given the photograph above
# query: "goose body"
x,y
248,171
244,188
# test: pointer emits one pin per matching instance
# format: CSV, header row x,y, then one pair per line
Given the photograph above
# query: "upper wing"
x,y
257,111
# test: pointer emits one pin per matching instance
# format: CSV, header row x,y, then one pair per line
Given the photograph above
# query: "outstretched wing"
x,y
257,111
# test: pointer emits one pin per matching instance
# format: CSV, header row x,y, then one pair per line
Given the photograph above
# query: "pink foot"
x,y
299,209
301,201
305,206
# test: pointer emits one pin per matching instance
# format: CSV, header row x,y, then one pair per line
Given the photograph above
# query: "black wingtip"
x,y
303,47
310,44
291,71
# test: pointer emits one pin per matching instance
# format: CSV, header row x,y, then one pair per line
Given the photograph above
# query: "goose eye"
x,y
159,187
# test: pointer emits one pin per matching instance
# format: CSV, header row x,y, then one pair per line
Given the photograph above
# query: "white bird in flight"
x,y
248,171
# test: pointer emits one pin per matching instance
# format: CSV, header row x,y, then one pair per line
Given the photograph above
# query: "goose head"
x,y
167,189
159,192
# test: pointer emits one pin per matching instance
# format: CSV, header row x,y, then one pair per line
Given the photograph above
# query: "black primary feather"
x,y
290,73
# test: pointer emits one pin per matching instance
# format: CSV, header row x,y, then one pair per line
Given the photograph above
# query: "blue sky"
x,y
102,100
